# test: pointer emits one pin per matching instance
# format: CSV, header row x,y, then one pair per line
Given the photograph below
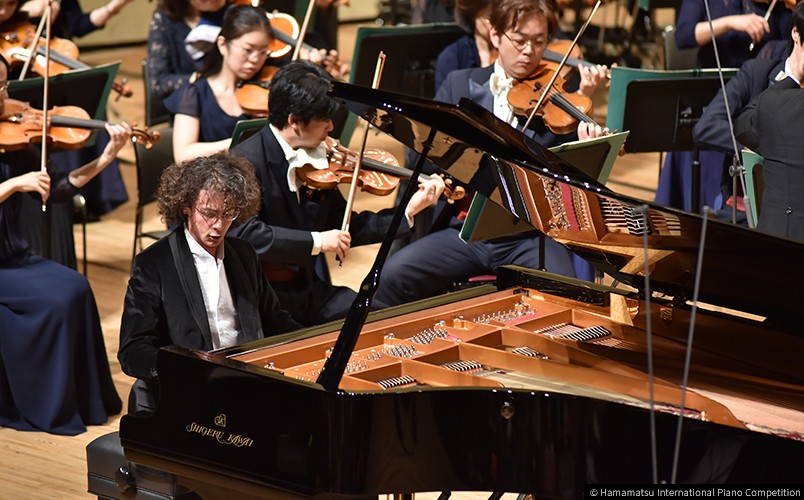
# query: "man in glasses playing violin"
x,y
520,31
296,225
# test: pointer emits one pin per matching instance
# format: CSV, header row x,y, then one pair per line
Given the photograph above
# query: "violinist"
x,y
70,20
473,50
106,191
169,62
53,367
296,225
206,109
520,30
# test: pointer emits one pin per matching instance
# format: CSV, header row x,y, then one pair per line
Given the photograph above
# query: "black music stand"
x,y
411,52
661,113
88,89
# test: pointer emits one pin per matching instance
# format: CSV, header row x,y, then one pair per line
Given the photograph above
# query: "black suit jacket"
x,y
473,83
164,304
281,232
712,130
772,125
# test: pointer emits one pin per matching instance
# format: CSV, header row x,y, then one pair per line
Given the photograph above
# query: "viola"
x,y
15,45
379,174
561,110
70,127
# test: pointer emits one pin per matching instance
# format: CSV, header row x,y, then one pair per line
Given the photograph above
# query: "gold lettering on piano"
x,y
220,420
220,436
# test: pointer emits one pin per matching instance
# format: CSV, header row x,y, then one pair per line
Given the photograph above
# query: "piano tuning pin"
x,y
328,353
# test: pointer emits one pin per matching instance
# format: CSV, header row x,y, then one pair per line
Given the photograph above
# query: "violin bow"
x,y
767,16
44,22
353,186
303,30
561,65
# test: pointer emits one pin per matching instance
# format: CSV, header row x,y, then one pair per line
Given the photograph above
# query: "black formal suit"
x,y
164,306
712,130
281,234
772,125
431,264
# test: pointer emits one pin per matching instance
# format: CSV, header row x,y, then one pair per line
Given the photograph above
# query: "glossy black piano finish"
x,y
222,420
742,269
240,428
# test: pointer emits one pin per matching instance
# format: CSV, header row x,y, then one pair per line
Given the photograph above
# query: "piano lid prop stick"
x,y
347,215
767,16
688,358
332,372
303,30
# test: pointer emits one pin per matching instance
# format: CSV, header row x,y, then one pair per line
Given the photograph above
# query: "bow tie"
x,y
499,84
300,157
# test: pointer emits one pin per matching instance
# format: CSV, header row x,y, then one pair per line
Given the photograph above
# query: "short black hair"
x,y
300,89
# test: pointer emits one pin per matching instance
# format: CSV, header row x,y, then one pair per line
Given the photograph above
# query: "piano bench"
x,y
110,475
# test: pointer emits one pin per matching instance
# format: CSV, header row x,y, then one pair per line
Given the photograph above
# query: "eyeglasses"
x,y
521,44
212,216
4,86
260,53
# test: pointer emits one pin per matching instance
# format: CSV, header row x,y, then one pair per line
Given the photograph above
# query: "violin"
x,y
252,95
561,110
70,127
555,51
379,174
15,45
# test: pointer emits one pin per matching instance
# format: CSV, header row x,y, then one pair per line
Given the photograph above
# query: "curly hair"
x,y
227,174
507,14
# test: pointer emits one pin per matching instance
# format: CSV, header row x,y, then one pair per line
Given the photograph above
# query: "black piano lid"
x,y
743,269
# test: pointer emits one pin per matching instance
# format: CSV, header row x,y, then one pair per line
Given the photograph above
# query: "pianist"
x,y
195,288
520,31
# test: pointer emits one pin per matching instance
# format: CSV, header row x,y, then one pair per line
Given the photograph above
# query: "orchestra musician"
x,y
70,20
771,126
169,62
712,132
107,190
53,368
741,32
197,288
474,49
520,30
297,225
206,108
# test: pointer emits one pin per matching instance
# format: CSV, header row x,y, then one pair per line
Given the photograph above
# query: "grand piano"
x,y
687,369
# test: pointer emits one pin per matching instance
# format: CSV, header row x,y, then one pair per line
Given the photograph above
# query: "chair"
x,y
245,129
150,163
155,110
675,58
754,182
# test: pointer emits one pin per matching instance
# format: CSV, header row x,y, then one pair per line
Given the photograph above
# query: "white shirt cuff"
x,y
317,242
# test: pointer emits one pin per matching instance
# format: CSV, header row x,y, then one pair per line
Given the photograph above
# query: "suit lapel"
x,y
479,90
185,268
